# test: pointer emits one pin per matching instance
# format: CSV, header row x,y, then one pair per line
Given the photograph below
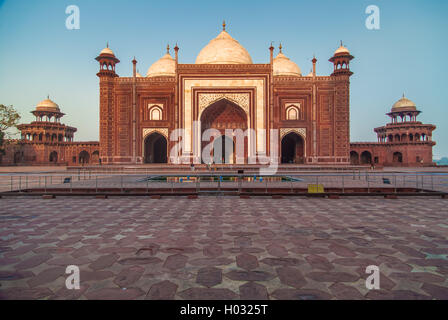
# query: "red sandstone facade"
x,y
225,91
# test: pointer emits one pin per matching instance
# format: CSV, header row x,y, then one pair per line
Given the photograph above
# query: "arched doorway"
x,y
222,115
155,148
398,157
366,157
354,157
53,157
84,157
293,148
95,156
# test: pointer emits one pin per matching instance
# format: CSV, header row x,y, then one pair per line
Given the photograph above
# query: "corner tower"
x,y
341,61
107,61
341,76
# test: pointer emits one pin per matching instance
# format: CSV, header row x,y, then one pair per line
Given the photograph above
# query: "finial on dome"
x,y
107,44
48,96
223,25
341,44
168,48
403,94
280,47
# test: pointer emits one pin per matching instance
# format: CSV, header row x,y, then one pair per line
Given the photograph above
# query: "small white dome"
x,y
138,75
223,50
341,50
165,66
404,104
47,105
107,50
283,66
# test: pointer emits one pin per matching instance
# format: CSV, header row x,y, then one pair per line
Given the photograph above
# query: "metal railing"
x,y
94,182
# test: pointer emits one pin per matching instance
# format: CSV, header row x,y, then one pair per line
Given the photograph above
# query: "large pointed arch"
x,y
222,115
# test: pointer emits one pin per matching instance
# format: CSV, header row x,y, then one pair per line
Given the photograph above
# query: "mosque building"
x,y
224,89
282,114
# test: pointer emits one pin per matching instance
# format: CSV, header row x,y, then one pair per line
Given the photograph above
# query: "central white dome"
x,y
223,50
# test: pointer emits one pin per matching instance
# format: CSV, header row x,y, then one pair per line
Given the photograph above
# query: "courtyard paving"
x,y
223,248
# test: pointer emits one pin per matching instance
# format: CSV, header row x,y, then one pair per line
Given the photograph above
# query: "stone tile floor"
x,y
223,248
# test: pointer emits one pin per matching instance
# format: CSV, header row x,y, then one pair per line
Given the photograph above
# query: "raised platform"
x,y
221,168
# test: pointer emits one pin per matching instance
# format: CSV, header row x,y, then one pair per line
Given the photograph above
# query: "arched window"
x,y
293,112
155,113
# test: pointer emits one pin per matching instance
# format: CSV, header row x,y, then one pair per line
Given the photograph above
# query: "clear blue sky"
x,y
39,56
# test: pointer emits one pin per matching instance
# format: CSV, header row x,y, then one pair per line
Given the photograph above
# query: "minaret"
x,y
107,61
134,110
341,61
341,99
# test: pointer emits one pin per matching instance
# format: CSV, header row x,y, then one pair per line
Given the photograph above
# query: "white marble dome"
x,y
223,50
107,50
47,105
165,66
283,66
341,50
404,104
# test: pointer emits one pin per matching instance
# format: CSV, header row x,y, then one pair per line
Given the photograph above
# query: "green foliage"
x,y
1,142
9,118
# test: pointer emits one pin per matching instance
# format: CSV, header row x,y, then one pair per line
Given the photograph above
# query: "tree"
x,y
9,118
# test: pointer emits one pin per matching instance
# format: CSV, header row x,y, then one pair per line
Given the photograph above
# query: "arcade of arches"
x,y
47,141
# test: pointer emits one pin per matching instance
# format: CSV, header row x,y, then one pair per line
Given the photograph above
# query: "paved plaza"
x,y
223,248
